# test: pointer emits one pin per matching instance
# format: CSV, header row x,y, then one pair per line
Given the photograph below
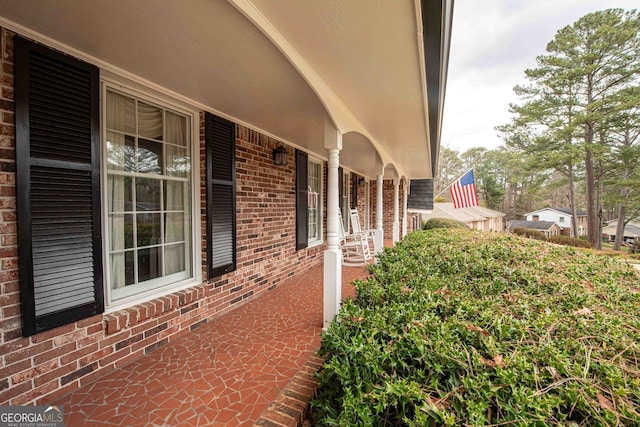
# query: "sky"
x,y
492,43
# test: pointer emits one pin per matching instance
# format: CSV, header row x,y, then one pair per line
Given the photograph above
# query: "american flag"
x,y
463,191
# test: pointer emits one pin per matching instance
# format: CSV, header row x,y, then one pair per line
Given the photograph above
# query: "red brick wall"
x,y
361,205
37,369
387,208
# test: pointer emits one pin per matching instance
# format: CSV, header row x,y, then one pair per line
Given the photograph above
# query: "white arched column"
x,y
332,255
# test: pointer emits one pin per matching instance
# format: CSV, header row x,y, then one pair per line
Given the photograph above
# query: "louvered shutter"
x,y
220,138
58,187
354,191
302,219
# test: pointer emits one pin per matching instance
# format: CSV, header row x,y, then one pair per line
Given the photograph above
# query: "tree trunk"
x,y
619,228
592,214
572,203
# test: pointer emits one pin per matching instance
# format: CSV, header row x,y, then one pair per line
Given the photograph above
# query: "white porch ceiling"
x,y
368,53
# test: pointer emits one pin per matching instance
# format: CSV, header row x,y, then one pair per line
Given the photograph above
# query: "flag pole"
x,y
447,187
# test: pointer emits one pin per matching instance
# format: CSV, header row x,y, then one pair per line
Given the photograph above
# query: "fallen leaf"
x,y
405,290
357,319
442,291
586,311
604,402
475,328
510,297
487,362
498,359
589,285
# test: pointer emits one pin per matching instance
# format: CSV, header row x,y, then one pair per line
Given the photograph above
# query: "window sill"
x,y
315,244
135,300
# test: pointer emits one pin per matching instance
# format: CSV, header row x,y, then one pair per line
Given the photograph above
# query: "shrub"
x,y
529,232
443,223
569,241
462,328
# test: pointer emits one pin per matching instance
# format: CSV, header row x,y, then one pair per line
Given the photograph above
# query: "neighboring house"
x,y
143,183
477,217
631,231
562,217
549,228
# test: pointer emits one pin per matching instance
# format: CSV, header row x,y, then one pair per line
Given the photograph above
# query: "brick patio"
x,y
251,366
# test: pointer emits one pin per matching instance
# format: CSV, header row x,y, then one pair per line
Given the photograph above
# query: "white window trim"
x,y
320,240
196,255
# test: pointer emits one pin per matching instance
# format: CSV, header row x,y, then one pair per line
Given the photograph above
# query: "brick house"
x,y
139,191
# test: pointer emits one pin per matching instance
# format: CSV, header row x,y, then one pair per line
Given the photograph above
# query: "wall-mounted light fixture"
x,y
280,155
360,181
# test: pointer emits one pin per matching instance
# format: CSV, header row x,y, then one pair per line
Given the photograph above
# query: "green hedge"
x,y
569,241
443,223
463,328
530,232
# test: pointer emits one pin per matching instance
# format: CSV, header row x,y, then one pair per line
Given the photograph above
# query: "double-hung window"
x,y
314,201
344,200
148,152
308,200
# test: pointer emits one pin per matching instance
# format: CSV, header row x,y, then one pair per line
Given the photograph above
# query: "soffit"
x,y
368,52
208,52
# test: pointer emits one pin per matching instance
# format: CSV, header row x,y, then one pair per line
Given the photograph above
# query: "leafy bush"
x,y
529,232
443,223
457,327
569,241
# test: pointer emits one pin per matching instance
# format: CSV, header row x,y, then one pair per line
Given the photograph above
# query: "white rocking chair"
x,y
357,230
355,247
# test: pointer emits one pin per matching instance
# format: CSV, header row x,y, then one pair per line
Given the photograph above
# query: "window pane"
x,y
147,194
149,264
148,229
174,195
120,152
177,131
120,193
149,157
122,269
120,113
121,227
149,121
178,161
174,258
174,227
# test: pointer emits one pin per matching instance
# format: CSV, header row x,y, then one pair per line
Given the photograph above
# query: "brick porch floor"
x,y
251,366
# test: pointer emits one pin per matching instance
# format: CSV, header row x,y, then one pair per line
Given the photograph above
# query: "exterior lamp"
x,y
280,155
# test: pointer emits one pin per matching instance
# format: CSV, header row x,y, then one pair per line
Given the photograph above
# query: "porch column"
x,y
332,255
396,210
379,236
404,207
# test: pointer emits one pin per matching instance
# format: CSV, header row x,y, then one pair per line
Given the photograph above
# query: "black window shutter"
x,y
220,140
302,220
354,191
58,187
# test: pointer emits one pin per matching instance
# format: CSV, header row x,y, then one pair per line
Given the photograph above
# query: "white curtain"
x,y
177,226
120,117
